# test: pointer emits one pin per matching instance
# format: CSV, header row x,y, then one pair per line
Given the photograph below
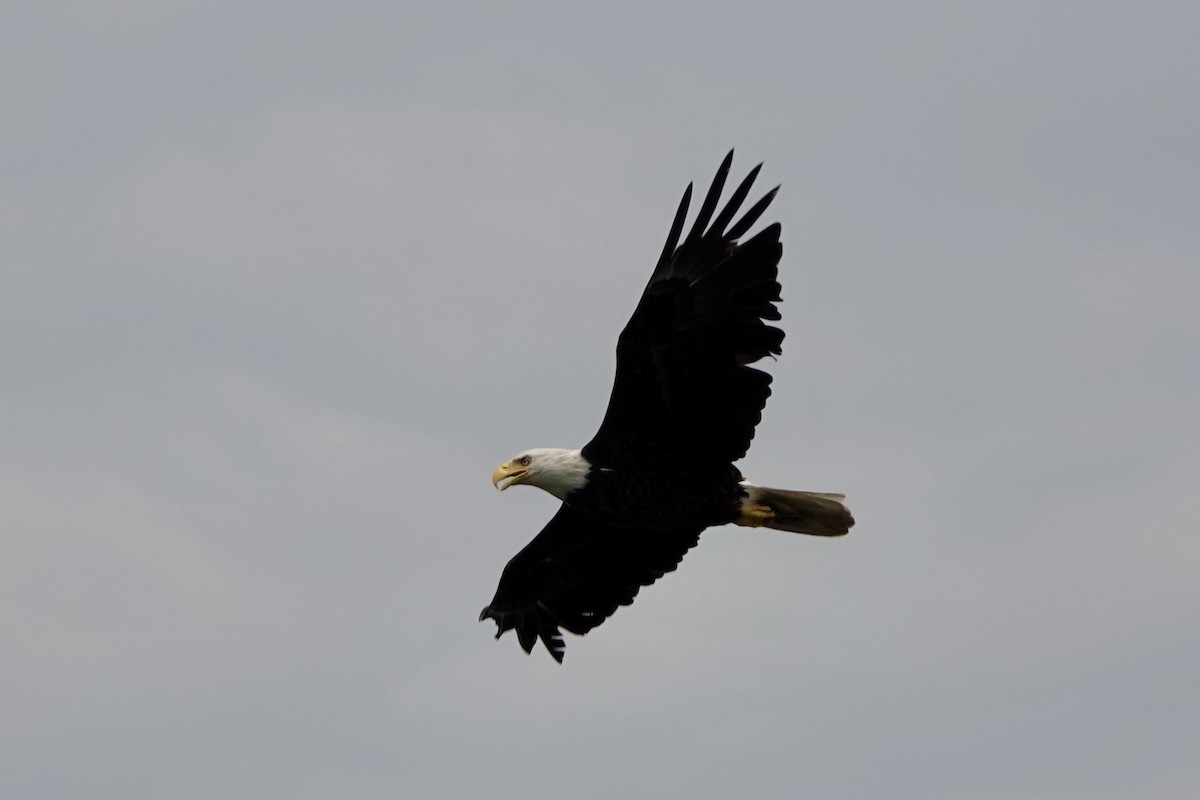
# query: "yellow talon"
x,y
755,515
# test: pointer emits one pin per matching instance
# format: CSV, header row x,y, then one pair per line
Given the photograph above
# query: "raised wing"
x,y
574,575
683,393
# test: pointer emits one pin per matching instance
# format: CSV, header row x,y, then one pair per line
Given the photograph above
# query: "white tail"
x,y
814,513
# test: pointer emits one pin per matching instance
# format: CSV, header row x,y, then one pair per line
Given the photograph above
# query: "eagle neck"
x,y
563,472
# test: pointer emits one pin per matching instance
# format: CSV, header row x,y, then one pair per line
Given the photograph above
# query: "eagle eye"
x,y
523,461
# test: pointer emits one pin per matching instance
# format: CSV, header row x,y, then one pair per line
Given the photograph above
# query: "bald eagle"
x,y
683,408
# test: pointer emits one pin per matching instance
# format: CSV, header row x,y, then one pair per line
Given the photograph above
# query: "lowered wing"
x,y
574,575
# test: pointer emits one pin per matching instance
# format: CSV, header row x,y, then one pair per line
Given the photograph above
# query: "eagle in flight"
x,y
683,408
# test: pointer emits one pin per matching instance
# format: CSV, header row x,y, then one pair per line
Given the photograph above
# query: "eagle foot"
x,y
755,515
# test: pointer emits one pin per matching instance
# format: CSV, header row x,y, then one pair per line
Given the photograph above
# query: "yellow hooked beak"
x,y
507,475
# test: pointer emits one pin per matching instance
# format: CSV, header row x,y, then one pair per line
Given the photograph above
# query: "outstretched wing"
x,y
574,575
684,393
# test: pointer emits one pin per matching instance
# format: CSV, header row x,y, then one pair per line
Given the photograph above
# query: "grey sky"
x,y
282,284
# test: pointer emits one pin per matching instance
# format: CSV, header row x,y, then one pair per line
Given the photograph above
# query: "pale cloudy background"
x,y
282,283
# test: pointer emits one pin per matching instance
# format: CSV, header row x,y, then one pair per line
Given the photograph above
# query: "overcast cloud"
x,y
281,283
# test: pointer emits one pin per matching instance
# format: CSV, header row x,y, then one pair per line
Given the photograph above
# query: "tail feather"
x,y
813,513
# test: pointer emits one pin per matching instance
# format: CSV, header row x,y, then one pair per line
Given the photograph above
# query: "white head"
x,y
554,469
